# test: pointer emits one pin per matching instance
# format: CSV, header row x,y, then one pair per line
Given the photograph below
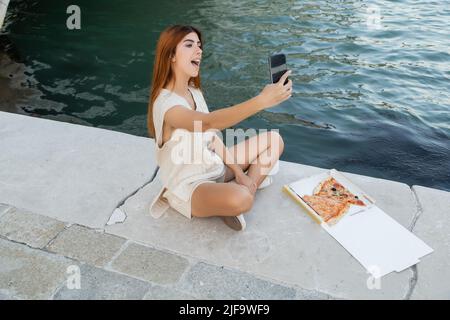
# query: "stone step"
x,y
81,175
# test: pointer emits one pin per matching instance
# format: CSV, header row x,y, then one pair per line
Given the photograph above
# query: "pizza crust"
x,y
331,200
319,187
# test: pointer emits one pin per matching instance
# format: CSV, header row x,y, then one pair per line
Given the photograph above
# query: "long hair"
x,y
162,71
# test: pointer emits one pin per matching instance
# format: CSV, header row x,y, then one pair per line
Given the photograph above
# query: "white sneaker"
x,y
269,178
266,182
235,222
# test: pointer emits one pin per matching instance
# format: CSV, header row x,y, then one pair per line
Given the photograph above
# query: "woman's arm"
x,y
227,117
224,153
181,117
271,95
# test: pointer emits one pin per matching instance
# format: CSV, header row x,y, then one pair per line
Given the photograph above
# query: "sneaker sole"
x,y
234,223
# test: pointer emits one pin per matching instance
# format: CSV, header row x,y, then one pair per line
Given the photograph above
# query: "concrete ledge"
x,y
281,243
75,174
3,8
70,172
433,221
4,208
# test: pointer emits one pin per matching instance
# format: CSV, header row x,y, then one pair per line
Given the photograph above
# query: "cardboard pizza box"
x,y
370,235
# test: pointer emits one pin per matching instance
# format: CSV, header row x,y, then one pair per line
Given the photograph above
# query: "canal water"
x,y
371,78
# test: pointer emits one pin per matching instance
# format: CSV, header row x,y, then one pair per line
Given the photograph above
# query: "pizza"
x,y
330,209
331,188
331,200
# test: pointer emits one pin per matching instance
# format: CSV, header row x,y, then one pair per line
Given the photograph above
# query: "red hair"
x,y
162,72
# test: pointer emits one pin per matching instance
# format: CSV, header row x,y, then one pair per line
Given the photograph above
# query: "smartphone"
x,y
277,67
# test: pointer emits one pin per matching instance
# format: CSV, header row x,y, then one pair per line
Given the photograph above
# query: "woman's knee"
x,y
241,201
276,141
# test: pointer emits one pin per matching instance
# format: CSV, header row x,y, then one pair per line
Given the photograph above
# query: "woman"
x,y
217,185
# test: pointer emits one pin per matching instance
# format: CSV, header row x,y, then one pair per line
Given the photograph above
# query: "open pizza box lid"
x,y
371,236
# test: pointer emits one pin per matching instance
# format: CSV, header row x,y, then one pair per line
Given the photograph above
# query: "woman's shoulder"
x,y
198,92
167,98
165,94
193,88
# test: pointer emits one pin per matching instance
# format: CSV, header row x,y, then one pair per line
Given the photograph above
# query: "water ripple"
x,y
371,93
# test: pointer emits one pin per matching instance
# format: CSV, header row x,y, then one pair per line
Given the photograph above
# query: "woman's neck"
x,y
180,90
180,87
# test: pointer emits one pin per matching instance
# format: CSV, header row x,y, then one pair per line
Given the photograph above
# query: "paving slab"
x,y
70,172
150,264
158,292
281,242
6,296
303,294
4,208
99,284
87,245
432,226
28,273
204,281
32,229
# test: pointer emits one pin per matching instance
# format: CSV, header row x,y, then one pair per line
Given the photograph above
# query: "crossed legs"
x,y
258,155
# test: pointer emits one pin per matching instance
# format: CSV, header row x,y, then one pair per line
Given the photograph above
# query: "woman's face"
x,y
188,55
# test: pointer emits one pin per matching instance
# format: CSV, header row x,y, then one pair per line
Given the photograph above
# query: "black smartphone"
x,y
277,67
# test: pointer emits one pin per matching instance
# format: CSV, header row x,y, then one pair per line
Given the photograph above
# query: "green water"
x,y
368,98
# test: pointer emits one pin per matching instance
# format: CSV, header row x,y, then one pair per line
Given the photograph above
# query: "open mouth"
x,y
196,63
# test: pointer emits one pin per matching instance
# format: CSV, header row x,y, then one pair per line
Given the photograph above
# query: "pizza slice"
x,y
333,189
331,209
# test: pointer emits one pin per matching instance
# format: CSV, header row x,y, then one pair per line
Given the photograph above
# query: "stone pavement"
x,y
40,256
60,184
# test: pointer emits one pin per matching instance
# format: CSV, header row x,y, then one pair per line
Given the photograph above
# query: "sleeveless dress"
x,y
184,161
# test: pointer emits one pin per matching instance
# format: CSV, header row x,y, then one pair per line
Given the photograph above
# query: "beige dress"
x,y
185,161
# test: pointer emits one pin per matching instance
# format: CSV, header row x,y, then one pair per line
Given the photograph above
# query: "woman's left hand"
x,y
246,181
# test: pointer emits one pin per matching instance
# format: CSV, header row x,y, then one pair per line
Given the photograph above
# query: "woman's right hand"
x,y
275,93
246,181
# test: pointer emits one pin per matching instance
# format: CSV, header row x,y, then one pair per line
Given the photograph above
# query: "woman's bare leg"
x,y
220,199
257,154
